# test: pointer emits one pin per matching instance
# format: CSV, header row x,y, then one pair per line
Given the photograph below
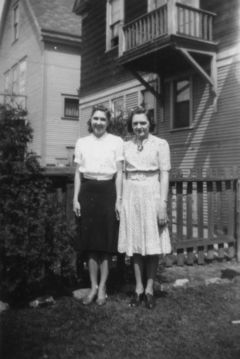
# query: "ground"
x,y
192,322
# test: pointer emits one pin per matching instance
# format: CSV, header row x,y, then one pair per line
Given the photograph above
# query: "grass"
x,y
192,323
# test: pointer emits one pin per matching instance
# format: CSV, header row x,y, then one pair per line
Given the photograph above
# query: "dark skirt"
x,y
98,223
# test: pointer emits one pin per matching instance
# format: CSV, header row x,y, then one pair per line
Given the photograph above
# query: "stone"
x,y
80,293
3,306
181,282
215,280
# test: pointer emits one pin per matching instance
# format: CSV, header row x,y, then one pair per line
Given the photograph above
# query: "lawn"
x,y
192,323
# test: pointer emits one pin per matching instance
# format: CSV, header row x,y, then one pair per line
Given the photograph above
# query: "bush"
x,y
35,240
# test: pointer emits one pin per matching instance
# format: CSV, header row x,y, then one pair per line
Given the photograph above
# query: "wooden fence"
x,y
204,217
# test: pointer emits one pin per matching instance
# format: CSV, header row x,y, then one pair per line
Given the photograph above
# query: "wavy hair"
x,y
138,111
102,109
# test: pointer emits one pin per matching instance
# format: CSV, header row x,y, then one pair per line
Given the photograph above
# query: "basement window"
x,y
71,108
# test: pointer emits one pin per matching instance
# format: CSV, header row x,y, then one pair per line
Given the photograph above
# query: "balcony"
x,y
18,102
161,40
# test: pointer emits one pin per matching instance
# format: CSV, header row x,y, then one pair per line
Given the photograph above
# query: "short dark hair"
x,y
102,109
138,111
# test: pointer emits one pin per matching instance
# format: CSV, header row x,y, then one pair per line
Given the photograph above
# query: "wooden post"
x,y
172,17
122,43
238,220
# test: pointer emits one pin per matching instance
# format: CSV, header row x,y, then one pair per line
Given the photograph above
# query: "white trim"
x,y
112,91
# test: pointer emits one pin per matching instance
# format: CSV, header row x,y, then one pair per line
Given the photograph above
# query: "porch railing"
x,y
172,18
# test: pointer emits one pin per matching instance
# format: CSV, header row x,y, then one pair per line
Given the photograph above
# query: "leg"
x,y
151,269
104,271
138,272
93,273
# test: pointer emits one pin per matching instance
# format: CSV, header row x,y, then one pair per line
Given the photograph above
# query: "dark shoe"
x,y
136,300
149,301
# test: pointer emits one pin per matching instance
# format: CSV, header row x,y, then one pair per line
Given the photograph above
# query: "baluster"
x,y
179,210
200,209
205,27
210,209
189,210
140,32
210,27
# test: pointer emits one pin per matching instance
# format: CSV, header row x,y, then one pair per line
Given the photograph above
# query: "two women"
x,y
142,205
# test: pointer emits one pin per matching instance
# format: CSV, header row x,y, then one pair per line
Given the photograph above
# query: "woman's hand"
x,y
162,214
77,208
118,208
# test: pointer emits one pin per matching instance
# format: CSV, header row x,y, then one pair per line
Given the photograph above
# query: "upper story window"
x,y
181,103
114,17
15,79
15,21
154,4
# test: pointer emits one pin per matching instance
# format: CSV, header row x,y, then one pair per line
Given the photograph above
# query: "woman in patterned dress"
x,y
143,232
97,192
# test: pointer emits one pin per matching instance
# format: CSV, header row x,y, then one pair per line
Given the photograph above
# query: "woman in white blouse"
x,y
97,193
143,231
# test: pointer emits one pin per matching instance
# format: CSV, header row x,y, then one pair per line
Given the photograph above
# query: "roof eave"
x,y
61,38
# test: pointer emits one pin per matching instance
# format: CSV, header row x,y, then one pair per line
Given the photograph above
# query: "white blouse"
x,y
98,157
154,156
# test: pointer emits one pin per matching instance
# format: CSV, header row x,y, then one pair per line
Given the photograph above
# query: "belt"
x,y
142,175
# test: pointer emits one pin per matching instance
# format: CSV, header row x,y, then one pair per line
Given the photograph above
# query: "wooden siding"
x,y
11,53
62,76
214,140
100,70
226,24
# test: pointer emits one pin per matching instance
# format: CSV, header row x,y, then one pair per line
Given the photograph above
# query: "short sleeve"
x,y
164,156
119,149
78,153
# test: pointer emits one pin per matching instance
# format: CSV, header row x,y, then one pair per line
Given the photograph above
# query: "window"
x,y
118,106
154,4
149,102
22,77
15,22
114,18
181,103
15,80
71,108
7,82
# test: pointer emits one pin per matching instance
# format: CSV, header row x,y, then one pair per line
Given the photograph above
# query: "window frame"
x,y
15,20
110,24
173,102
65,116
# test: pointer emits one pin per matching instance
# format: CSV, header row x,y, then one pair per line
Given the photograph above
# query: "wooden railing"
x,y
146,28
194,22
172,18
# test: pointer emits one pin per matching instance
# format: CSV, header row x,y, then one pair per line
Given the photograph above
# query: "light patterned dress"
x,y
139,231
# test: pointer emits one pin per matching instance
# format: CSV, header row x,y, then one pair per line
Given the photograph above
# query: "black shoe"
x,y
149,301
136,300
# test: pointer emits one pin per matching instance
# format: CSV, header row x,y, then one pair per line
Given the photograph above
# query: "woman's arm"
x,y
164,186
118,183
77,186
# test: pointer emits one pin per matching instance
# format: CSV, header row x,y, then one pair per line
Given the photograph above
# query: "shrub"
x,y
34,236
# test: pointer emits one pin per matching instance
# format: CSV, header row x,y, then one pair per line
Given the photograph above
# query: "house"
x,y
181,59
40,60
